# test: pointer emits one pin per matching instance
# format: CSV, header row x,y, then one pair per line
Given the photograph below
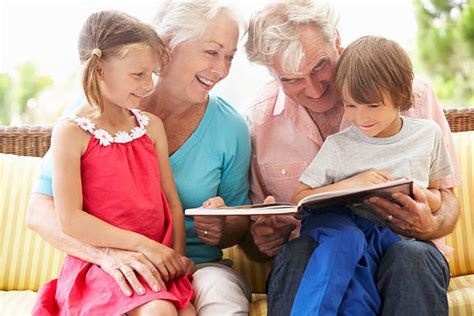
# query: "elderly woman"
x,y
299,43
209,147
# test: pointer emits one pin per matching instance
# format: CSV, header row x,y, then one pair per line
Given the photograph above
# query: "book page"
x,y
327,199
358,194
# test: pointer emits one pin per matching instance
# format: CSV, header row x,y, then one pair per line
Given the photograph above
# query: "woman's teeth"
x,y
205,81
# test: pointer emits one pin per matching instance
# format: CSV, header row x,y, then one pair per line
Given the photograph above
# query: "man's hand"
x,y
123,266
271,232
210,229
407,216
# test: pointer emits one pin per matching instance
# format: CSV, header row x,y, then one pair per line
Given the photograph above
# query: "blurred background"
x,y
39,65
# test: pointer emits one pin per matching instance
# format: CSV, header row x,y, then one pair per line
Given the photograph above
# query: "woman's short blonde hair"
x,y
373,68
178,21
275,30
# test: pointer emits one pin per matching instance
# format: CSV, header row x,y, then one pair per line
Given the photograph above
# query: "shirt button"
x,y
284,171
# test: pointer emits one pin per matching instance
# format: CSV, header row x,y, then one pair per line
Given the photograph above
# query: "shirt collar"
x,y
280,102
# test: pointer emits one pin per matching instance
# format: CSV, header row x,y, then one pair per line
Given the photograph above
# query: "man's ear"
x,y
338,43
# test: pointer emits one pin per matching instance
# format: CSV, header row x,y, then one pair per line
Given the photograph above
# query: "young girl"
x,y
112,182
374,80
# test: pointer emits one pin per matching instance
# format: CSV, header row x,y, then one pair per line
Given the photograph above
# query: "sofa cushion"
x,y
258,307
461,296
255,273
17,302
26,261
462,239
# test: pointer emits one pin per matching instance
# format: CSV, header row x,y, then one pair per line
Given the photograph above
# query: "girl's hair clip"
x,y
97,52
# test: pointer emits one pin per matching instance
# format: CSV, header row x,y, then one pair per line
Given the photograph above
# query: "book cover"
x,y
345,197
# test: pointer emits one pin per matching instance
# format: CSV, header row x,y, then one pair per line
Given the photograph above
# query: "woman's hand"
x,y
210,229
123,266
165,259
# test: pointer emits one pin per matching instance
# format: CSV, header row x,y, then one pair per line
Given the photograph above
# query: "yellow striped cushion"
x,y
26,261
461,296
255,273
462,239
258,307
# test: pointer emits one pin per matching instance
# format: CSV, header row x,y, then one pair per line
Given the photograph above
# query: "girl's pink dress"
x,y
120,185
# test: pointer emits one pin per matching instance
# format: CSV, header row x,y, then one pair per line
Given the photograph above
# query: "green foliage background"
x,y
16,90
446,48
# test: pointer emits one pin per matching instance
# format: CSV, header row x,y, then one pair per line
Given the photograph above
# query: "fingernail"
x,y
141,291
129,293
156,288
373,200
207,203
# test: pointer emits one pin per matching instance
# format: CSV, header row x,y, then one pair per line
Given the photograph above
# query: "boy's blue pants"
x,y
340,275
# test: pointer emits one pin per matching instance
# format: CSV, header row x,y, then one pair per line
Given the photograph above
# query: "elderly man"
x,y
299,44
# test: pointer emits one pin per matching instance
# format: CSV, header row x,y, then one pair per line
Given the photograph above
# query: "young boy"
x,y
374,80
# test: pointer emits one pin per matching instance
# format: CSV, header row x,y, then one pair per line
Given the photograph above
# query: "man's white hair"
x,y
178,21
274,30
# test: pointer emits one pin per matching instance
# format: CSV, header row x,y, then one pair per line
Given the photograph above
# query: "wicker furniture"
x,y
26,261
35,140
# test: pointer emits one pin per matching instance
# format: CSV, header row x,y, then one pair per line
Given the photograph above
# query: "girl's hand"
x,y
372,176
189,265
165,259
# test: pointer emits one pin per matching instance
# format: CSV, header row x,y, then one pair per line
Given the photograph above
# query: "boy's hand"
x,y
372,176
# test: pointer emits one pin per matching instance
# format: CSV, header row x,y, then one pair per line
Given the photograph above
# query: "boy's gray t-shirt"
x,y
418,152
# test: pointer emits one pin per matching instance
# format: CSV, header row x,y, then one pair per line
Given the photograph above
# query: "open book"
x,y
345,197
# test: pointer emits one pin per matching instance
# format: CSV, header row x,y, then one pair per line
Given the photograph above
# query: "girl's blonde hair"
x,y
372,68
108,34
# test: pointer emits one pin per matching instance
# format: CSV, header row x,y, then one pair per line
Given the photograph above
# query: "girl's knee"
x,y
188,311
158,308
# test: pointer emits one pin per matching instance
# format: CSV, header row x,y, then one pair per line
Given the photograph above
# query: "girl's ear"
x,y
99,70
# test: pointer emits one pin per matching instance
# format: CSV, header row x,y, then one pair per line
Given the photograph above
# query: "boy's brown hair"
x,y
113,33
373,67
